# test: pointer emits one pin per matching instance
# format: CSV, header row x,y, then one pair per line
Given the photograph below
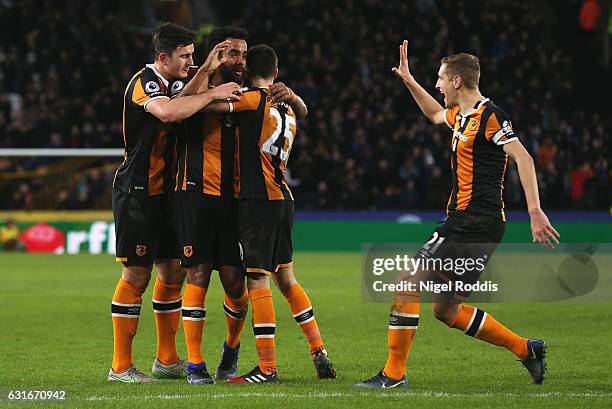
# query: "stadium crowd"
x,y
365,144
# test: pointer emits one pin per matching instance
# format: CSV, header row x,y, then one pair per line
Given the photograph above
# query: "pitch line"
x,y
325,395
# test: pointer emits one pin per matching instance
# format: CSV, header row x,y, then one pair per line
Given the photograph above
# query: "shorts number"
x,y
269,146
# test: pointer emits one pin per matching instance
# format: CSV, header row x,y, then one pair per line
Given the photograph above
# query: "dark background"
x,y
365,145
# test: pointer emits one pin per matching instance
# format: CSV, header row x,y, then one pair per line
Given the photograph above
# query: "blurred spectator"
x,y
22,198
365,144
547,154
579,178
9,236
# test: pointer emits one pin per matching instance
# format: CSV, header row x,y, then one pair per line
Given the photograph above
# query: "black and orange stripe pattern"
x,y
266,132
147,158
478,161
206,152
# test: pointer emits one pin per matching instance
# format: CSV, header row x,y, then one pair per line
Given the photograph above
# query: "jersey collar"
x,y
478,104
476,107
152,66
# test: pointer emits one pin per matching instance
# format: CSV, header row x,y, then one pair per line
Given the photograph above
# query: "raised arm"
x,y
280,92
177,109
541,229
202,77
428,104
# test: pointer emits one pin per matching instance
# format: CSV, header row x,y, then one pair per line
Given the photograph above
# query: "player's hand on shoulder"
x,y
229,90
542,231
402,71
280,92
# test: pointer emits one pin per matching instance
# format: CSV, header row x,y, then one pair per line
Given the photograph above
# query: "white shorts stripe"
x,y
194,319
125,315
403,326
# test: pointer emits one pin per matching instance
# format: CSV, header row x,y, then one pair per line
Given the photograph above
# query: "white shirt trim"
x,y
445,120
152,66
151,99
481,103
514,138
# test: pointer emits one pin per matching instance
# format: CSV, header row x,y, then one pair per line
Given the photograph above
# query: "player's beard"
x,y
230,75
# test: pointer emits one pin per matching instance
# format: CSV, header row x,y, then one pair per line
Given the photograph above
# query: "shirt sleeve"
x,y
147,88
450,114
249,101
499,129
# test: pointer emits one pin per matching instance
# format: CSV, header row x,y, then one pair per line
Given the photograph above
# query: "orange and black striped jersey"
x,y
266,130
205,155
146,167
478,161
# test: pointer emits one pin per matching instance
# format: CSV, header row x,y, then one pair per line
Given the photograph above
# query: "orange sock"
x,y
264,326
194,316
235,313
167,308
477,323
125,311
304,316
403,324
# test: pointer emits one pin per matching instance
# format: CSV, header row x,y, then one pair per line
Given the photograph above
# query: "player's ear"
x,y
163,57
275,73
457,81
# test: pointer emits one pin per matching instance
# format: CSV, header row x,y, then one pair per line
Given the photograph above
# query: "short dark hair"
x,y
261,61
464,65
168,36
221,33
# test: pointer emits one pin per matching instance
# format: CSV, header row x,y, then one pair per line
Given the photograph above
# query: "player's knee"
x,y
171,272
232,279
199,275
257,280
234,289
284,279
138,276
445,312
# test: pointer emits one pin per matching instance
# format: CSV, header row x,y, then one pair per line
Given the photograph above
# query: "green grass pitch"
x,y
56,333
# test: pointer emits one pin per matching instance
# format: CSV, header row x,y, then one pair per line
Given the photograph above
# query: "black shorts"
x,y
463,245
206,229
143,228
265,234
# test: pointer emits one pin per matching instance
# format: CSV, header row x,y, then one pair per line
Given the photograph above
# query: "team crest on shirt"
x,y
151,86
188,251
473,124
141,250
229,120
